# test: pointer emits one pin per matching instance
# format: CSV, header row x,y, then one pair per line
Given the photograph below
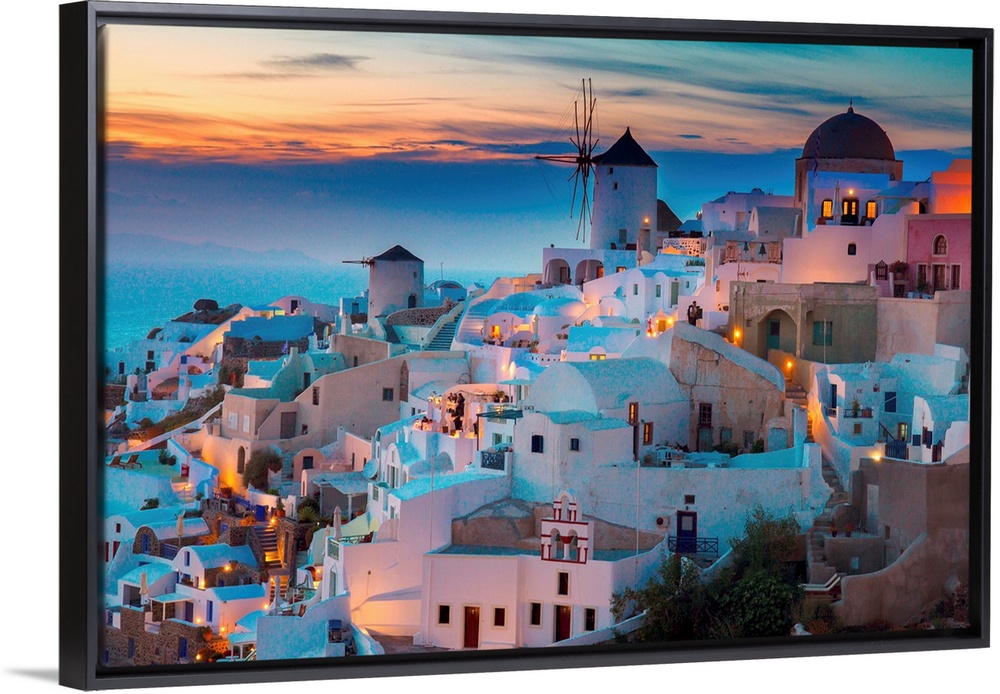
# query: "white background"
x,y
29,386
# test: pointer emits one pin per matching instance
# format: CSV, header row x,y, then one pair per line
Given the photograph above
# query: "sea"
x,y
142,295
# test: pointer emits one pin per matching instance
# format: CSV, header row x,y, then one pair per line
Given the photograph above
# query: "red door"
x,y
471,639
564,615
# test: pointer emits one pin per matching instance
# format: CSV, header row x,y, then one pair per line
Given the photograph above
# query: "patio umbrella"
x,y
143,588
180,524
336,523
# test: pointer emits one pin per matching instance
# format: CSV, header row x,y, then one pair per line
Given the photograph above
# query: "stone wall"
x,y
149,648
911,585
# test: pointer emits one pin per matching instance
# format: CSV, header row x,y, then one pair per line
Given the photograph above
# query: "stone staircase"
x,y
280,583
474,320
445,334
818,570
269,545
796,394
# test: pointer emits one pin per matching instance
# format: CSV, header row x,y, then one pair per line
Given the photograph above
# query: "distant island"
x,y
131,247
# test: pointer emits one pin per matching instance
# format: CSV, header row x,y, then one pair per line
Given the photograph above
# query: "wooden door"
x,y
564,615
471,639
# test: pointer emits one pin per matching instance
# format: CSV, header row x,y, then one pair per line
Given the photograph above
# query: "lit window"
x,y
598,357
647,434
633,413
828,209
871,209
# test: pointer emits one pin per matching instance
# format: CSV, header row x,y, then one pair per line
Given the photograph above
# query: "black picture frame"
x,y
80,306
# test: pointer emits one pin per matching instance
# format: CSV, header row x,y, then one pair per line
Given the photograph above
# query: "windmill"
x,y
583,159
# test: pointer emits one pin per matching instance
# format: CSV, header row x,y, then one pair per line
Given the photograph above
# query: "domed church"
x,y
845,162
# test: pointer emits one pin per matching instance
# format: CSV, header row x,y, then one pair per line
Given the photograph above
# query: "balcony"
x,y
864,413
492,460
693,545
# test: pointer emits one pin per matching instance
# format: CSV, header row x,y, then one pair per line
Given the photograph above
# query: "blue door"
x,y
687,532
774,334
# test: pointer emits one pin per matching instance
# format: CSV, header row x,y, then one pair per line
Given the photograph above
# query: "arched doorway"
x,y
587,270
776,330
556,272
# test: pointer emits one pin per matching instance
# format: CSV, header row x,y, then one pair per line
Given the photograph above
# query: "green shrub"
x,y
256,468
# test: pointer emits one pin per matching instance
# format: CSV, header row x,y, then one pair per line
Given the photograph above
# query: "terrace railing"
x,y
693,545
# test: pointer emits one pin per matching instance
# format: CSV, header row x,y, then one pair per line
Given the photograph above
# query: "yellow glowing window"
x,y
828,208
598,357
495,331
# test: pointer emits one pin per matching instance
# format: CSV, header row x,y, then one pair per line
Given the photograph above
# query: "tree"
x,y
255,471
675,601
759,591
756,594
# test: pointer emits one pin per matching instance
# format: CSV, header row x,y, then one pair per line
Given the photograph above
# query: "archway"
x,y
556,272
587,270
776,330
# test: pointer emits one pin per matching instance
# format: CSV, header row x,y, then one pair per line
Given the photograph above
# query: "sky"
x,y
342,144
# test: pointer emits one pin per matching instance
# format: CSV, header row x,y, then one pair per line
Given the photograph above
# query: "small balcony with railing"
x,y
752,252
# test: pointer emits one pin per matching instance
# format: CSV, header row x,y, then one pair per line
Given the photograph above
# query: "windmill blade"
x,y
584,143
576,181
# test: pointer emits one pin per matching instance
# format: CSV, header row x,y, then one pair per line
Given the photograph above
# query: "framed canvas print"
x,y
402,342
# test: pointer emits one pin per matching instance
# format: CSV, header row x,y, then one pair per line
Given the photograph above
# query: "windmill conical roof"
x,y
397,252
625,152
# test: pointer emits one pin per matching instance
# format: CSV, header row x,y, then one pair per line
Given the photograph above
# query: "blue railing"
x,y
896,449
693,545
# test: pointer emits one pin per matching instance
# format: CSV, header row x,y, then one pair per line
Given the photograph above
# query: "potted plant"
x,y
855,407
848,529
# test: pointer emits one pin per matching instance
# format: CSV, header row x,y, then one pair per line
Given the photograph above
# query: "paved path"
x,y
401,644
